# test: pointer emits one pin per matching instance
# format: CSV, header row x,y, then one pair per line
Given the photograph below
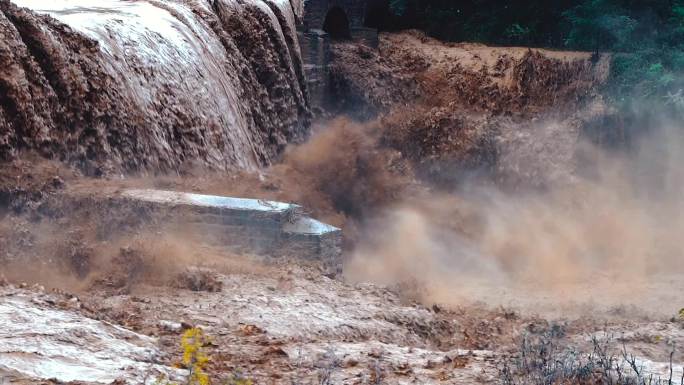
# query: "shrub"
x,y
196,360
194,357
542,359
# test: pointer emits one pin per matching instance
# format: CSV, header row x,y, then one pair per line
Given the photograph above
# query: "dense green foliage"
x,y
646,36
504,22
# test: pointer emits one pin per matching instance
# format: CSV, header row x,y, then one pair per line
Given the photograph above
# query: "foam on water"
x,y
37,342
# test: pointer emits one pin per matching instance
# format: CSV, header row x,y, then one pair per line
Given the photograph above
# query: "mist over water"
x,y
607,236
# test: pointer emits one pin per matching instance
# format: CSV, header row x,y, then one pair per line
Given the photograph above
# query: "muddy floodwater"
x,y
378,207
132,84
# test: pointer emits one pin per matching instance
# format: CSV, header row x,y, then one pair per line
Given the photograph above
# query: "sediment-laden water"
x,y
117,85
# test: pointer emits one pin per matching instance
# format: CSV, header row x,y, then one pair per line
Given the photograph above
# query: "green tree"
x,y
599,25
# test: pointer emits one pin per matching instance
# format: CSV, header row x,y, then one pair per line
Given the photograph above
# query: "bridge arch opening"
x,y
337,24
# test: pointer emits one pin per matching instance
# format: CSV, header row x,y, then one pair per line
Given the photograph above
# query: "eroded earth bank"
x,y
499,221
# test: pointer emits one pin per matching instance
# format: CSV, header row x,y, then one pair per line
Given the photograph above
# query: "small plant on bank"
x,y
194,357
196,360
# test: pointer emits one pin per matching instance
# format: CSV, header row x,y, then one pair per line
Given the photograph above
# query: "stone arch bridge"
x,y
327,20
344,18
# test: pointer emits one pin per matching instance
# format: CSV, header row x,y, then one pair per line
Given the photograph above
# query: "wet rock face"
x,y
150,85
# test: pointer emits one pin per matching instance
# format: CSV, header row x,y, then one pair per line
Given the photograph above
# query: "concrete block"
x,y
262,227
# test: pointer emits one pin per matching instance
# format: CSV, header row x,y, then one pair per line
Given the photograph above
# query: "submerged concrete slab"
x,y
310,226
212,201
249,225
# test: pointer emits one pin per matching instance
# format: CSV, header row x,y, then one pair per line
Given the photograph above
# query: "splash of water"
x,y
115,84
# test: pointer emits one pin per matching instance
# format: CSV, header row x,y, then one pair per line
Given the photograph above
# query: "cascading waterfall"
x,y
116,85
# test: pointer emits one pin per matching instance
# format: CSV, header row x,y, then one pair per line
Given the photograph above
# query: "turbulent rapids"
x,y
120,85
